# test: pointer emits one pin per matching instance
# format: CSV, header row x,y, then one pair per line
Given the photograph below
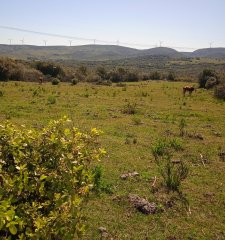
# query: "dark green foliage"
x,y
74,81
211,82
45,178
50,69
55,81
219,92
171,76
5,68
115,76
100,185
132,77
155,76
101,71
205,76
122,75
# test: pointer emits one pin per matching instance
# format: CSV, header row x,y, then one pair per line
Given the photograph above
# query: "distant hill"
x,y
161,51
209,52
98,52
82,53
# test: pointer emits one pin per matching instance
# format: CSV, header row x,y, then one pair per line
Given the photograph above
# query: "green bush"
x,y
171,76
219,92
51,69
51,99
211,82
55,81
45,178
74,81
130,108
204,77
155,76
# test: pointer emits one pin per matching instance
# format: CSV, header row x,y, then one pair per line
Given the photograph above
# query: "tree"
x,y
204,77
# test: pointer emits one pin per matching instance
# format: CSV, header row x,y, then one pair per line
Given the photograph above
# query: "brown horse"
x,y
189,89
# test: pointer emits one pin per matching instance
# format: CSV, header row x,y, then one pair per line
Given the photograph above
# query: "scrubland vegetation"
x,y
162,148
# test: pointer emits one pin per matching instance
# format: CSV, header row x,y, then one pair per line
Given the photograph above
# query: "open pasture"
x,y
133,116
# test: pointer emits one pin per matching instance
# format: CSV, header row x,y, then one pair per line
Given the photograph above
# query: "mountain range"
x,y
99,52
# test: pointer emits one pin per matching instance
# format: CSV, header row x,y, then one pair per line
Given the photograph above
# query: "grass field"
x,y
158,109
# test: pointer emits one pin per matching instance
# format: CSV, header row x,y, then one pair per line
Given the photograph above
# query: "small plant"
x,y
144,94
130,108
182,126
120,84
55,81
74,81
1,93
172,173
98,184
136,120
51,99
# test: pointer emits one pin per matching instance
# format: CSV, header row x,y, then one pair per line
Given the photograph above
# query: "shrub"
x,y
51,99
219,92
101,71
51,69
1,93
45,178
98,184
145,76
182,125
6,67
172,173
131,77
205,75
74,81
211,82
130,108
136,120
104,83
55,81
155,76
171,76
93,78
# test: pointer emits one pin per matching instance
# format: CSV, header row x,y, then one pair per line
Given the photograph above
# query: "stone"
x,y
142,204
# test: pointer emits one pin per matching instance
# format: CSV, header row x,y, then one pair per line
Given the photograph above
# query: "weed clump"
x,y
130,108
172,172
51,99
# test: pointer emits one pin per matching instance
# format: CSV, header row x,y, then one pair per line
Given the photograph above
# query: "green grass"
x,y
160,111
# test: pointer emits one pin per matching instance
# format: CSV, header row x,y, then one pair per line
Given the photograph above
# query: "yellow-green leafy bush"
x,y
45,178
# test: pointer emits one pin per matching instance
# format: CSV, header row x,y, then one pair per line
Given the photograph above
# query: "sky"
x,y
181,24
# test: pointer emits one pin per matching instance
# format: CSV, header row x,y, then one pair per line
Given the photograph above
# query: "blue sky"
x,y
178,23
